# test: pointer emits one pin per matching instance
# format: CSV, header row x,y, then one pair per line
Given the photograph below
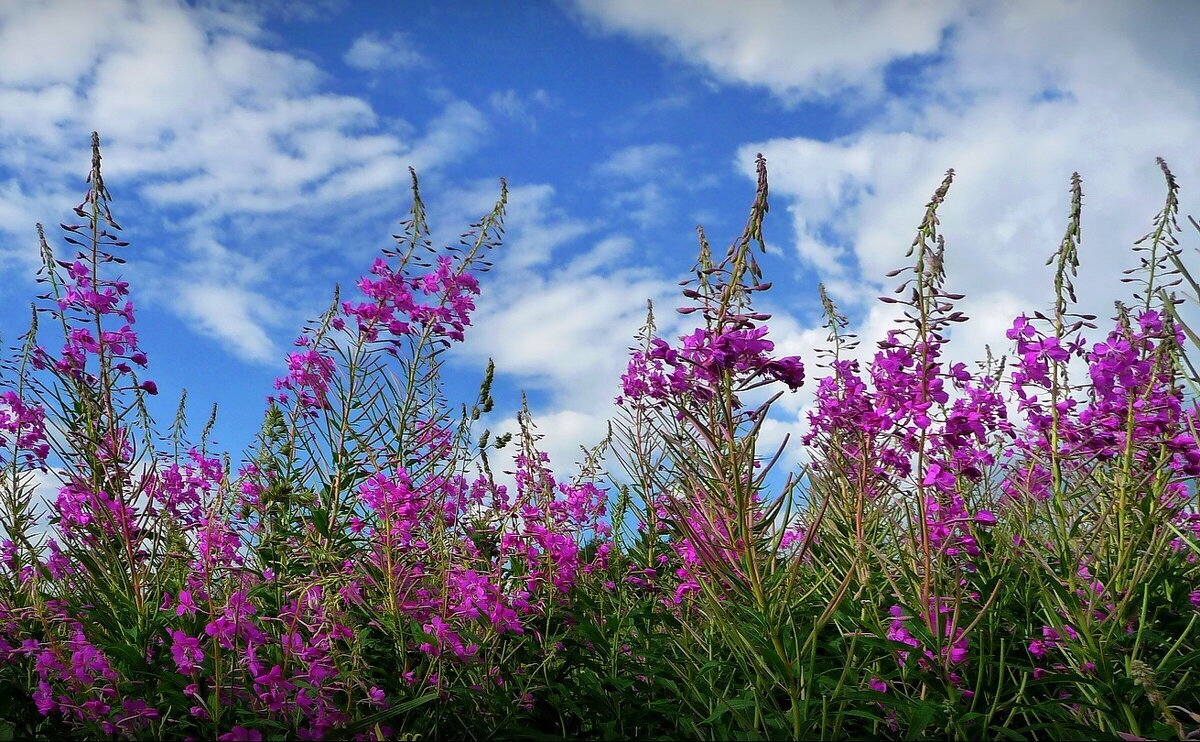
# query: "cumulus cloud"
x,y
564,332
558,326
231,314
646,181
536,227
1018,105
797,50
1015,97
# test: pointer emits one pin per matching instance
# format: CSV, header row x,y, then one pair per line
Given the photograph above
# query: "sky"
x,y
258,153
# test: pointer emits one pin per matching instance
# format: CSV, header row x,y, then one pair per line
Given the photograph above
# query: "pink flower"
x,y
186,652
186,604
937,476
377,696
985,518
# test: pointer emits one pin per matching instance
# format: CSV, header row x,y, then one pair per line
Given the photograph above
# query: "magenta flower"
x,y
186,652
936,476
186,604
43,698
376,696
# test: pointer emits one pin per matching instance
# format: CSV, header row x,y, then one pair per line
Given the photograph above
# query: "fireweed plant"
x,y
1002,551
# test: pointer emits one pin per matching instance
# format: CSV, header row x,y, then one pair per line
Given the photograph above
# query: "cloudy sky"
x,y
258,154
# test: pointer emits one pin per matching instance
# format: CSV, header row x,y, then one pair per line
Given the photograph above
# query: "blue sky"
x,y
258,154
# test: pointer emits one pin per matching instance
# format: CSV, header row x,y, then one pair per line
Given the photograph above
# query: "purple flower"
x,y
377,696
186,604
937,476
43,698
186,652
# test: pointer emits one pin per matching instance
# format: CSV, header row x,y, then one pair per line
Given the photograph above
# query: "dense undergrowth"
x,y
1008,551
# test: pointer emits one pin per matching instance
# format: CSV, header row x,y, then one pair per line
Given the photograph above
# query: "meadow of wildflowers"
x,y
1006,550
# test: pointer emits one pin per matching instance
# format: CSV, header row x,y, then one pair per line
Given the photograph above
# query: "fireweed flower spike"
x,y
973,551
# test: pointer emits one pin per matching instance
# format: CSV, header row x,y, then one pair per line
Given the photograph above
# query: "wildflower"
x,y
376,696
43,698
186,604
186,652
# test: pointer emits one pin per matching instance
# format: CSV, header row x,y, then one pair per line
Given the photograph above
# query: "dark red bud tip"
x,y
149,387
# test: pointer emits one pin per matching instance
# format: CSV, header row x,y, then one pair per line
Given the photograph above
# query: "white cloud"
x,y
17,202
564,332
231,314
855,202
42,44
517,107
373,52
639,161
558,326
796,50
455,132
42,488
646,204
535,227
222,294
604,254
643,178
1015,97
198,113
554,326
564,434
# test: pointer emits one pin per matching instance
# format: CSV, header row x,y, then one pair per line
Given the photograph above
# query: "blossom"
x,y
186,652
186,604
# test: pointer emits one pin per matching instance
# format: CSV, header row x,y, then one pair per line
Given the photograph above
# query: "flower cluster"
x,y
23,425
86,300
373,574
702,360
396,309
309,373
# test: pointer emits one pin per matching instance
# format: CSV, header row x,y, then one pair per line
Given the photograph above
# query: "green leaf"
x,y
922,715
